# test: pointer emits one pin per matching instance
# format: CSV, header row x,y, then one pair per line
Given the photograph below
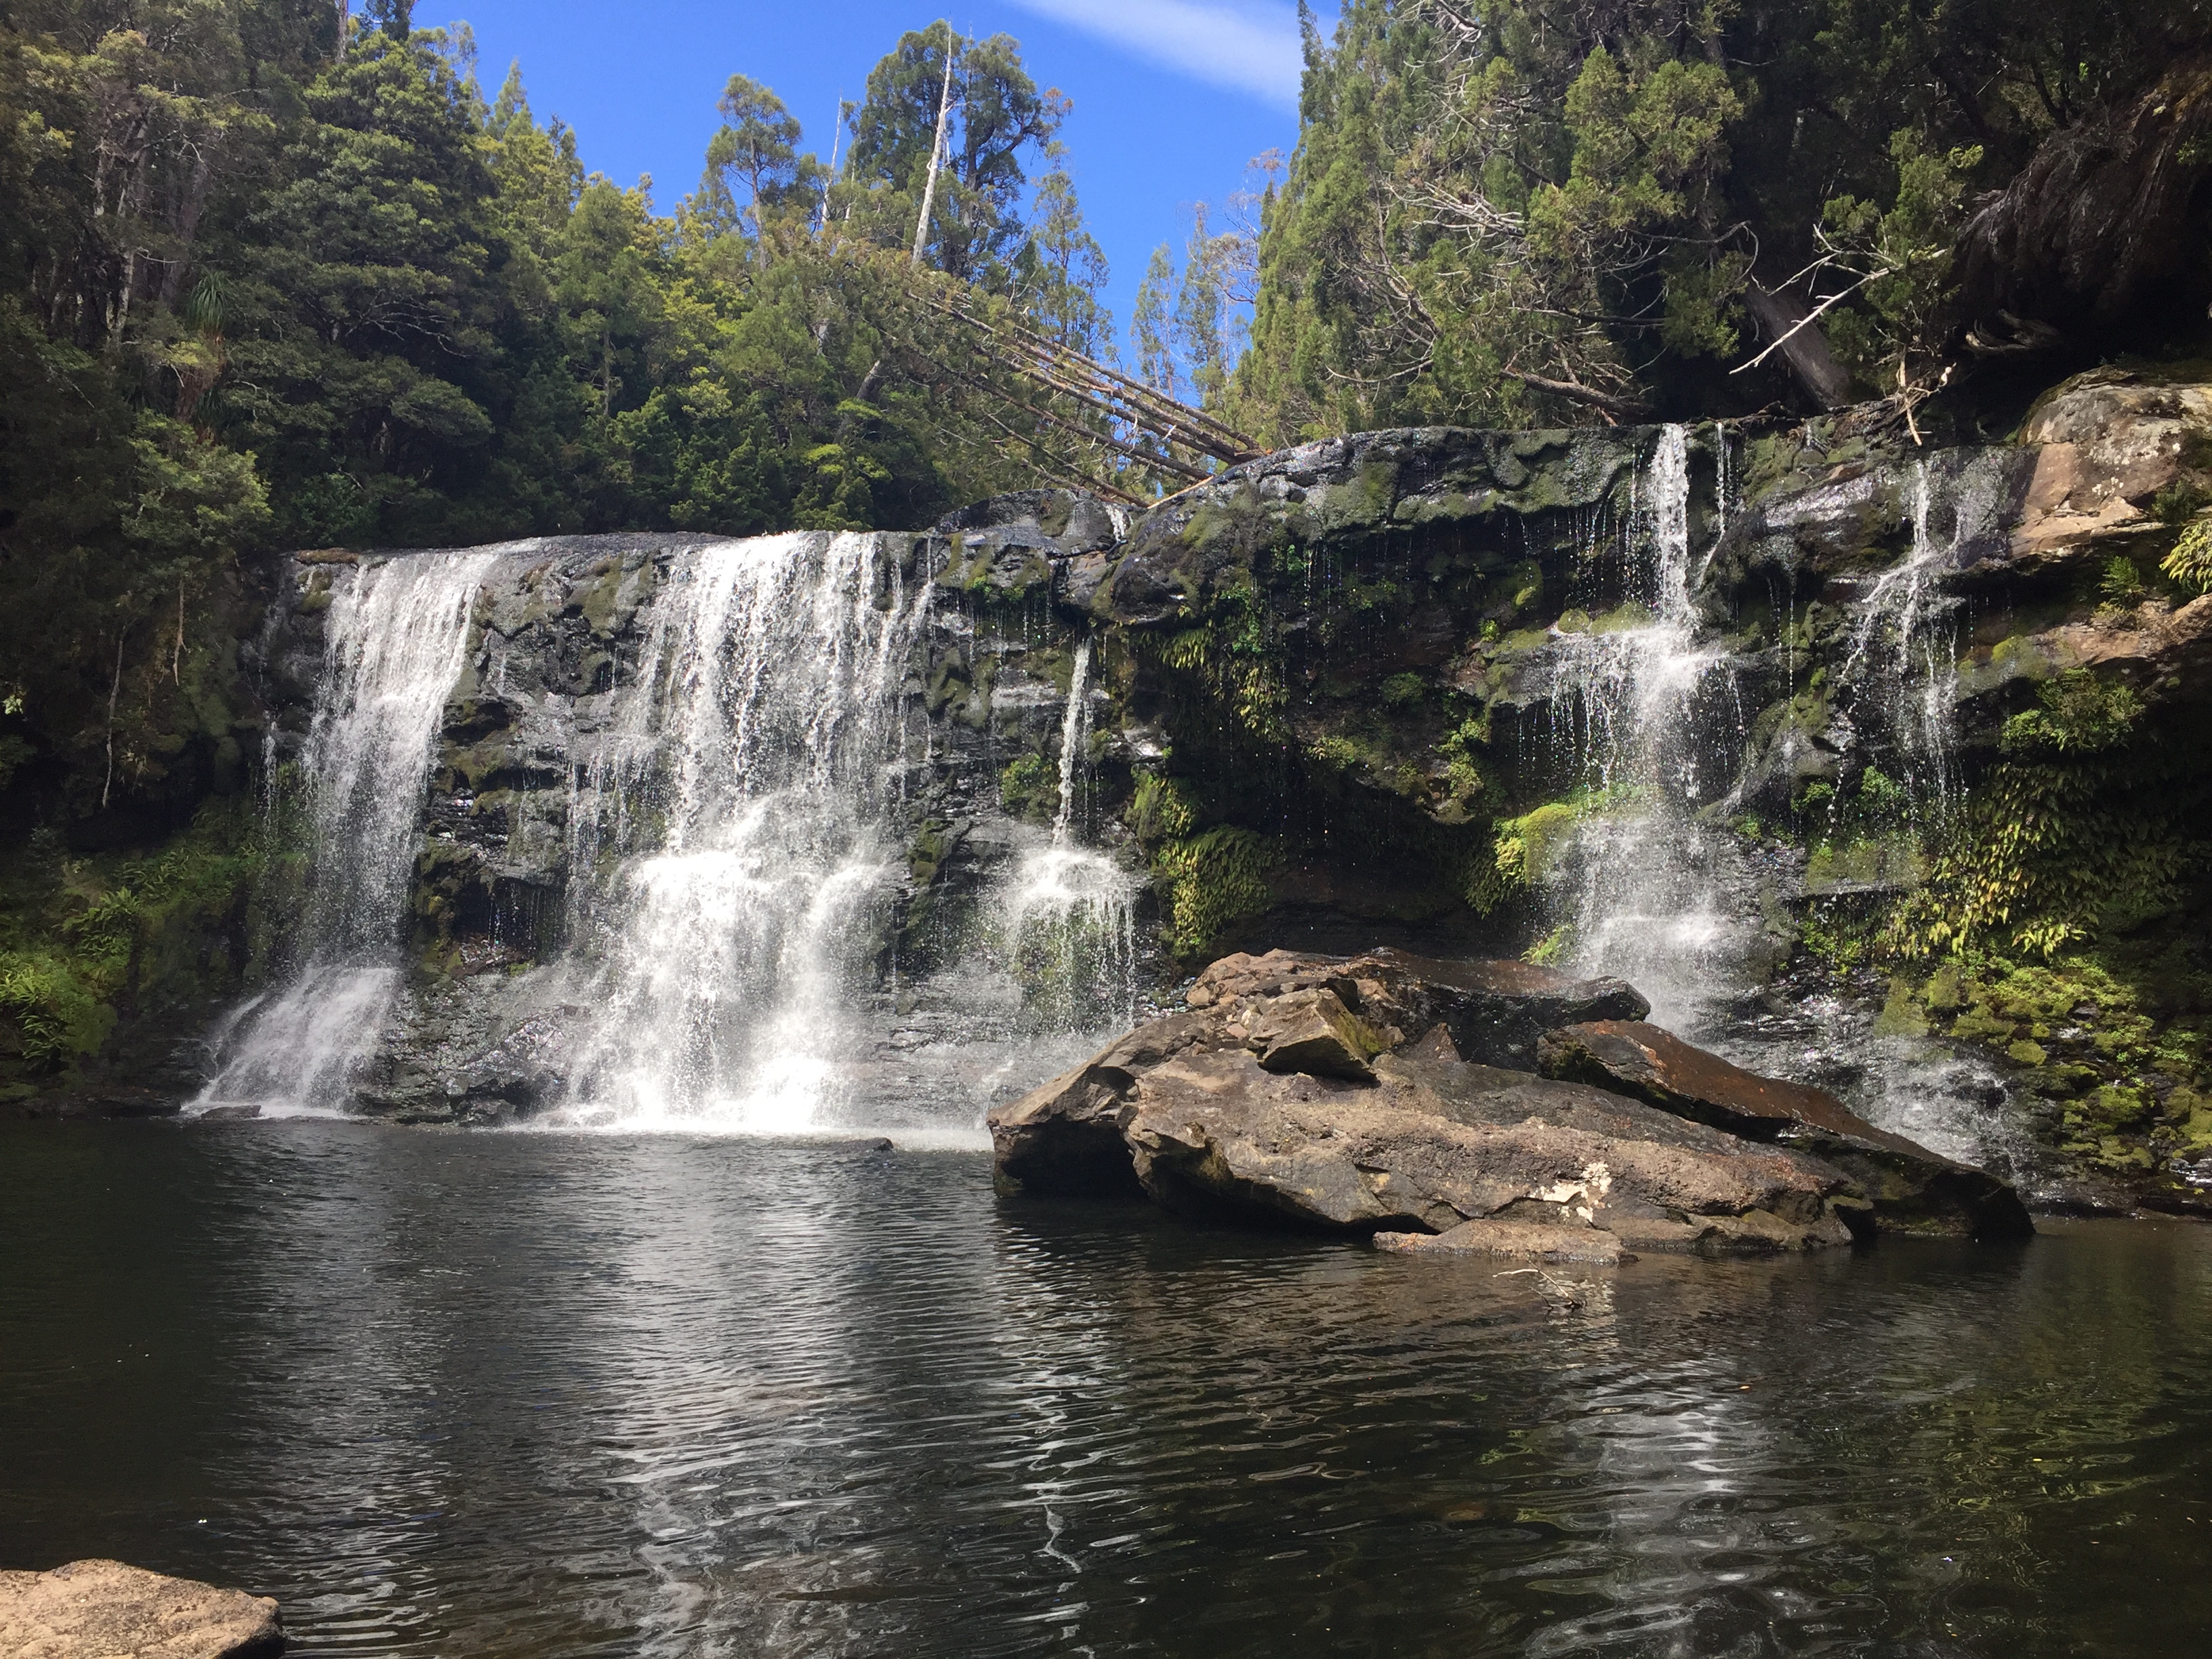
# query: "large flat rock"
x,y
1496,1011
1291,1092
1331,1092
105,1610
1911,1188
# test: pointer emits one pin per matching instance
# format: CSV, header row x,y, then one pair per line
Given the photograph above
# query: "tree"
x,y
1150,337
998,119
1532,209
393,17
366,365
1062,268
1204,322
753,165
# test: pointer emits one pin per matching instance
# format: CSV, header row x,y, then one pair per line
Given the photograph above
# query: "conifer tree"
x,y
1064,269
998,119
1151,328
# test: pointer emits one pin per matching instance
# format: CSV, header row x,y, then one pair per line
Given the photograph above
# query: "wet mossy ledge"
x,y
1331,709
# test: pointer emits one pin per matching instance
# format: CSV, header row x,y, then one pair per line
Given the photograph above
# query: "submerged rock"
x,y
1516,1241
1292,1091
105,1610
1911,1190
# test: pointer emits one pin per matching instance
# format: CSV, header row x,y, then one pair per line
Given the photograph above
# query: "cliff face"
x,y
1912,727
1929,729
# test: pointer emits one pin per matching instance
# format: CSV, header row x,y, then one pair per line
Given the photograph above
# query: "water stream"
x,y
397,635
1068,914
1647,890
1649,887
729,832
735,832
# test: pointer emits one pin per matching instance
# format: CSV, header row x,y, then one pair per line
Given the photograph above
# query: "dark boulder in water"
x,y
1911,1189
1330,1092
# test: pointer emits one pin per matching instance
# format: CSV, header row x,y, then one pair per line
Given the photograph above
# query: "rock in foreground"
x,y
1331,1091
1911,1189
105,1610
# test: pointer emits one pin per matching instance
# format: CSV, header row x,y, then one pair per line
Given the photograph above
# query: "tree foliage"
x,y
274,278
1505,210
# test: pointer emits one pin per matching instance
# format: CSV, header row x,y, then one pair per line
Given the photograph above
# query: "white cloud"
x,y
1252,47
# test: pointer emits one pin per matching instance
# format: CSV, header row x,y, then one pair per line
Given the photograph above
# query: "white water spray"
x,y
1903,661
396,636
1068,914
730,853
1643,881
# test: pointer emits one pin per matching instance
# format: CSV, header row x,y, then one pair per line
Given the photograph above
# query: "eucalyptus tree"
x,y
1061,269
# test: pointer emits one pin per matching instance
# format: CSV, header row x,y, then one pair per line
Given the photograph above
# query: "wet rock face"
x,y
1055,541
1362,625
1909,1188
105,1610
1374,1124
1368,486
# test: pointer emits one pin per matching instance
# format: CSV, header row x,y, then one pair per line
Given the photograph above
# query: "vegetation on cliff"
x,y
1503,212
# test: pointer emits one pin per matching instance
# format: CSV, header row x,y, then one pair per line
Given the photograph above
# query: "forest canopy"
x,y
279,278
1503,212
276,277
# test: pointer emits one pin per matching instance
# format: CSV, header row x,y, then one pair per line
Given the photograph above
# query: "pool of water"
x,y
539,1394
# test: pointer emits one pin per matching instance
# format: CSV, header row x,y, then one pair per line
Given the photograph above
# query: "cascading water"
x,y
1901,668
1645,884
729,842
1068,916
396,637
1674,904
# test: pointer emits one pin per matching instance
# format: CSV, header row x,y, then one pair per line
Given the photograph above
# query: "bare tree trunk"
x,y
936,153
115,690
1790,327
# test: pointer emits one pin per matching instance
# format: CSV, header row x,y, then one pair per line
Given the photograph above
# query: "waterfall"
x,y
1902,664
395,640
1074,727
732,852
1067,914
1646,887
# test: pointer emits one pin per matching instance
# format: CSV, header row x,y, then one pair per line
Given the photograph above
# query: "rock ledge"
x,y
105,1610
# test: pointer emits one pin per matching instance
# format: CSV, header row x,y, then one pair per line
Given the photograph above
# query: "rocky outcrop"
x,y
105,1610
1495,1011
1330,1092
2105,446
1057,541
2098,237
1909,1188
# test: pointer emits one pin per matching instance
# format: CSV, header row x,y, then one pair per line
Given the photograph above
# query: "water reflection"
x,y
569,1394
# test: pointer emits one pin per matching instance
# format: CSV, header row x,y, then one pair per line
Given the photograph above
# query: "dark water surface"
x,y
537,1395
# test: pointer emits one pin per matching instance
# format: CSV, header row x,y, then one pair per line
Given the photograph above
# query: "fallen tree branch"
x,y
1579,392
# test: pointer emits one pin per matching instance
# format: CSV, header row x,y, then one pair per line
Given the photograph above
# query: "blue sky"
x,y
1172,97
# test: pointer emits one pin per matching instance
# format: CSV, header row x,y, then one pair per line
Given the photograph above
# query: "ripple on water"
x,y
572,1394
